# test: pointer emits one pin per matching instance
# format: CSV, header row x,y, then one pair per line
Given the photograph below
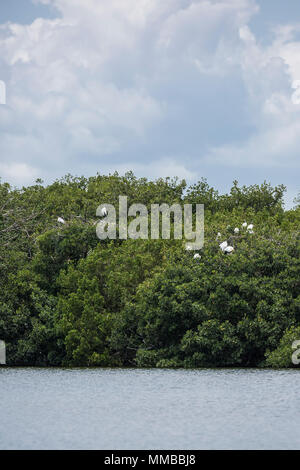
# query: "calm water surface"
x,y
149,409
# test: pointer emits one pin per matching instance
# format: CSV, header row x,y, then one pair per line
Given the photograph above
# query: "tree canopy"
x,y
69,299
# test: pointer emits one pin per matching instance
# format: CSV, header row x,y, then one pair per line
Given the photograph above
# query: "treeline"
x,y
69,299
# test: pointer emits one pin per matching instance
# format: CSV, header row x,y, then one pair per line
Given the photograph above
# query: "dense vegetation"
x,y
69,299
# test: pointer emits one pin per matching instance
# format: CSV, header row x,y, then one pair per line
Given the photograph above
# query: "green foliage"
x,y
27,322
220,311
93,292
70,299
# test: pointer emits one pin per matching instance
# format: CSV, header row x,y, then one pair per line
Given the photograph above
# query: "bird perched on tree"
x,y
228,250
61,220
250,228
223,245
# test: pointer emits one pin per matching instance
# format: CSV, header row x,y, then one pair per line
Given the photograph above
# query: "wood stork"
x,y
61,220
228,250
223,245
236,230
250,227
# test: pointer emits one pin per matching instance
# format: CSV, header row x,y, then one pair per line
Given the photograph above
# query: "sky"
x,y
187,88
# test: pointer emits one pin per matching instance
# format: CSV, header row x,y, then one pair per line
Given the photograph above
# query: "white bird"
x,y
250,231
218,236
236,230
223,245
61,220
244,225
228,249
250,227
197,256
188,247
104,212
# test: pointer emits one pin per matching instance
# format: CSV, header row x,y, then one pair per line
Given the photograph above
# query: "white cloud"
x,y
18,173
163,168
267,149
119,84
270,77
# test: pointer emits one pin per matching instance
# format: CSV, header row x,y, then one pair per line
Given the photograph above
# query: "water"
x,y
149,409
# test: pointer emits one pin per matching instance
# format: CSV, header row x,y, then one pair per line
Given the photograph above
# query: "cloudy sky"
x,y
175,87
